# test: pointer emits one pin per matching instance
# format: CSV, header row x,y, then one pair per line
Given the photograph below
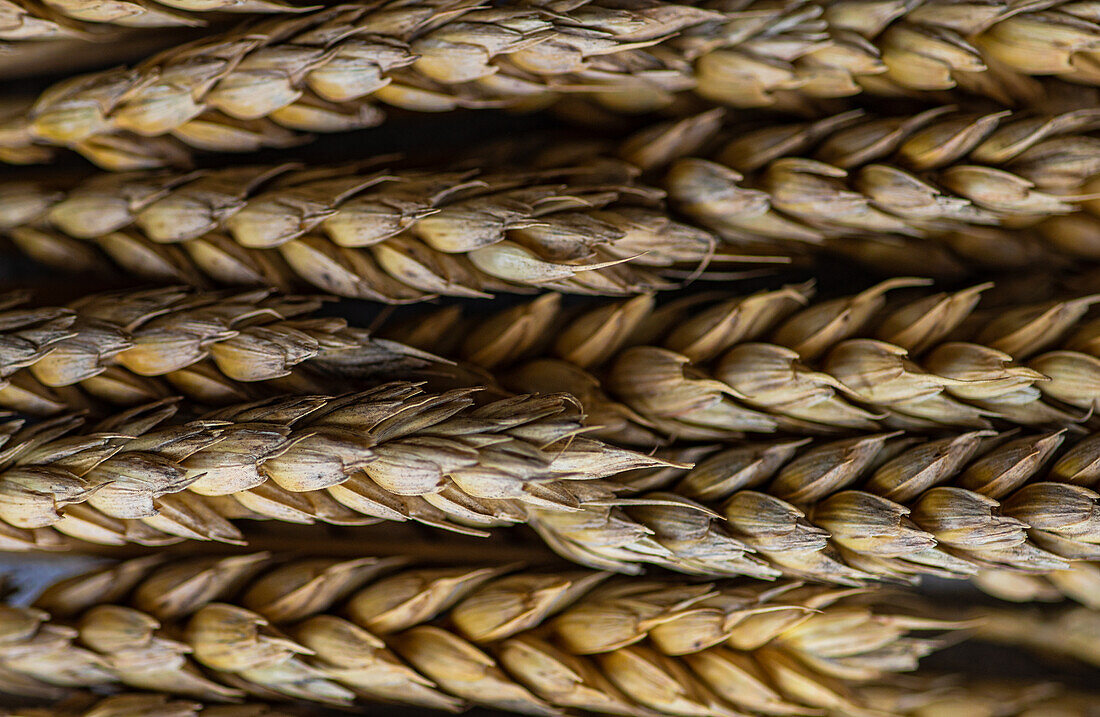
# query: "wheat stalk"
x,y
354,231
217,348
392,453
368,630
320,71
861,181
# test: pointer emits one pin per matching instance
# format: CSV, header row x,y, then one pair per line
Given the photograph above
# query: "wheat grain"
x,y
388,236
448,637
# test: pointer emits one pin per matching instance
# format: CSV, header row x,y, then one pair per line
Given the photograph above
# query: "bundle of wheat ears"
x,y
697,358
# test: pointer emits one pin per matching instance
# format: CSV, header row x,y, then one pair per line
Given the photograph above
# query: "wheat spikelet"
x,y
855,181
367,630
391,453
395,236
217,348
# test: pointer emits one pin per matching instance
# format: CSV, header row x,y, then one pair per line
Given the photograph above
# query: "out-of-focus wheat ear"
x,y
1066,632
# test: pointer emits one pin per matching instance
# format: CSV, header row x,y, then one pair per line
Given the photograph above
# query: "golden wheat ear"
x,y
351,632
222,92
395,452
949,188
700,368
392,236
215,348
329,70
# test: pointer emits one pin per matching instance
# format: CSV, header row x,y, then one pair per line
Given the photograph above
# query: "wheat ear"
x,y
367,630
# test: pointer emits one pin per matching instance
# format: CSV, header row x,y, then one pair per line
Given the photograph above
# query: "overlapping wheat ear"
x,y
399,236
216,348
963,504
394,452
321,72
539,643
995,190
667,529
706,368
